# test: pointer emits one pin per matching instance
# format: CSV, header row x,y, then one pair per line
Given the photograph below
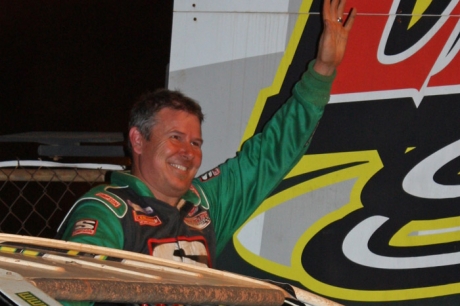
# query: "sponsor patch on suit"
x,y
146,220
199,221
85,227
210,175
109,199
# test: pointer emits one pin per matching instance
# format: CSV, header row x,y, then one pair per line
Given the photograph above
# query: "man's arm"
x,y
245,181
92,223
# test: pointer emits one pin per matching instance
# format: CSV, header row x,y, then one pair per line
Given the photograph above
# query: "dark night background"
x,y
78,65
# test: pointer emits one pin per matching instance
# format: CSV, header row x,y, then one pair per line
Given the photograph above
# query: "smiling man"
x,y
161,208
168,159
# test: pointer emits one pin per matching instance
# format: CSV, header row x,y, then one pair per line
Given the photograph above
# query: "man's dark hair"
x,y
143,113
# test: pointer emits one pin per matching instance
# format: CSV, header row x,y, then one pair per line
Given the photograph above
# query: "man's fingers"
x,y
333,9
341,8
350,19
326,9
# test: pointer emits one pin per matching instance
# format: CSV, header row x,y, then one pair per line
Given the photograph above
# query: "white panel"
x,y
227,93
231,6
251,235
226,35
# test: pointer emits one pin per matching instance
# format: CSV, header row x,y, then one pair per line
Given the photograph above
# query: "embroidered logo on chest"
x,y
145,210
146,220
199,221
142,215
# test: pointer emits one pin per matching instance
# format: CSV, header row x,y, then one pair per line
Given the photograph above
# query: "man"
x,y
161,209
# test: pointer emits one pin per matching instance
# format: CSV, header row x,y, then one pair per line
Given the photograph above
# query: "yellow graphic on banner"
x,y
428,232
419,8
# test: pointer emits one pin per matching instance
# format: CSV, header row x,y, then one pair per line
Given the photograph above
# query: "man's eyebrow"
x,y
198,139
174,131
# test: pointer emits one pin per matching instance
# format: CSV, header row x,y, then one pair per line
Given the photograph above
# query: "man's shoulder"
x,y
105,194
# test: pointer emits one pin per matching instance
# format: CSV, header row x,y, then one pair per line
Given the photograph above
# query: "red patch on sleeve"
x,y
85,227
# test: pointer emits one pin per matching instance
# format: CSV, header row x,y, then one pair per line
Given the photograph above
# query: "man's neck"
x,y
173,201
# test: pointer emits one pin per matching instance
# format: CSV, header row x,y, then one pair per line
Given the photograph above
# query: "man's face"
x,y
169,161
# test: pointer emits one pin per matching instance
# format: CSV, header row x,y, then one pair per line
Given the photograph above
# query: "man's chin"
x,y
182,186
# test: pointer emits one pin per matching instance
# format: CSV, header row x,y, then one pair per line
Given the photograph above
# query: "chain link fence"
x,y
35,196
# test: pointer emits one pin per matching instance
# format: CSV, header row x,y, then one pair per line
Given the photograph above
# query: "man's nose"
x,y
187,150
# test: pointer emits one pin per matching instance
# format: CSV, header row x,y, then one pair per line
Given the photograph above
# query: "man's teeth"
x,y
180,167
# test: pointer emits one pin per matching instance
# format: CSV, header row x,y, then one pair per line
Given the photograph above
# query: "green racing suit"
x,y
125,214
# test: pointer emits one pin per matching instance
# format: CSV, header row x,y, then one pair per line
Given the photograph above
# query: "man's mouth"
x,y
180,167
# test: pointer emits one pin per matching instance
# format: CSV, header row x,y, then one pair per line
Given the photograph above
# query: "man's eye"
x,y
196,144
177,137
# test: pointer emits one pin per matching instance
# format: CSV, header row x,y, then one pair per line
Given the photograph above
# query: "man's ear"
x,y
136,139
